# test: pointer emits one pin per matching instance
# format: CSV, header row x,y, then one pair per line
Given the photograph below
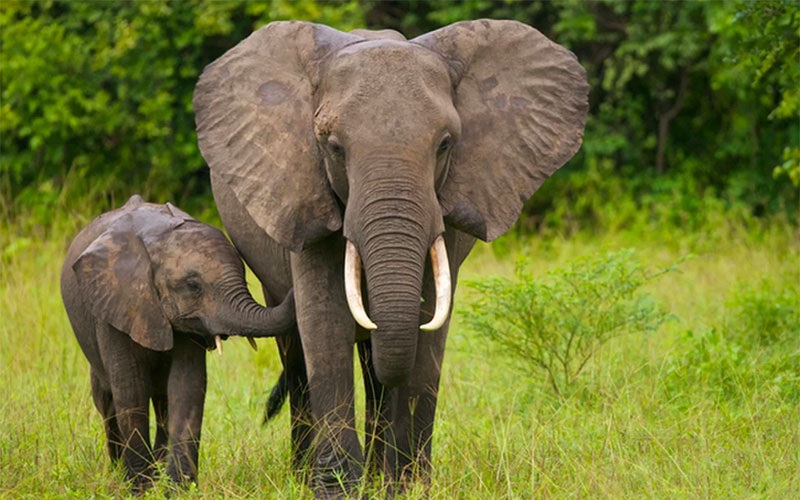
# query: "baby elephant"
x,y
148,289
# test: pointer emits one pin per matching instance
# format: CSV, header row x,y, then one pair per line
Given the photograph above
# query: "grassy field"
x,y
699,409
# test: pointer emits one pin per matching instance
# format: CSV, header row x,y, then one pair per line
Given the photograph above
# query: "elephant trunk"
x,y
241,315
394,268
390,222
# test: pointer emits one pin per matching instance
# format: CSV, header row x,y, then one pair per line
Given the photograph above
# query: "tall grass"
x,y
646,422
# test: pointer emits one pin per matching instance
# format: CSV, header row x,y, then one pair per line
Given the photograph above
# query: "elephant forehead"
x,y
385,88
179,265
200,248
382,64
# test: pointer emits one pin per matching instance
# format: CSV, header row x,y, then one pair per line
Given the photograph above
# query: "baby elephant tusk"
x,y
441,276
252,342
352,287
218,341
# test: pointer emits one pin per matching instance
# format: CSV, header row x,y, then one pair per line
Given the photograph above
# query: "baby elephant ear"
x,y
523,101
114,277
180,214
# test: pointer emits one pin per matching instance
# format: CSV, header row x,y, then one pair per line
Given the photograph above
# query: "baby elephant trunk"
x,y
241,315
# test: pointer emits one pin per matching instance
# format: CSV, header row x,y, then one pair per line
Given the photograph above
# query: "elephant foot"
x,y
181,470
411,475
140,474
335,476
140,483
330,493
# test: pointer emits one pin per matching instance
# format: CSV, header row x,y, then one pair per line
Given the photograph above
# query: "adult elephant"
x,y
329,149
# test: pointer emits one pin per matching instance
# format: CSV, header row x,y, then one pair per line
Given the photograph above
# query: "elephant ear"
x,y
523,101
115,280
254,112
178,213
379,34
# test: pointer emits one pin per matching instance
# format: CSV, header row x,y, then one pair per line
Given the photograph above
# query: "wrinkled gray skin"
x,y
315,136
146,288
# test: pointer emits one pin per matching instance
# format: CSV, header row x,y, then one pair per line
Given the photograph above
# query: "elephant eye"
x,y
193,286
336,150
446,143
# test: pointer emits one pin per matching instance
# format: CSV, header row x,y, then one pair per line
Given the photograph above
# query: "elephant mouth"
x,y
441,276
197,326
219,338
191,324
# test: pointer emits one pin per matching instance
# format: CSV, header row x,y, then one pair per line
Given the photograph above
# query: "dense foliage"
x,y
690,102
97,96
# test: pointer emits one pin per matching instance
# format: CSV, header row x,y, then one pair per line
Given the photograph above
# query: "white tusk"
x,y
218,341
352,287
252,342
441,276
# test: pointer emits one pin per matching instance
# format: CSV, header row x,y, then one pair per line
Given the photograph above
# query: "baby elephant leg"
x,y
160,405
186,391
104,402
129,375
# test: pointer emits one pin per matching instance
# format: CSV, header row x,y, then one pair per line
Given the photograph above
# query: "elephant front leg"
x,y
376,420
186,391
129,377
162,436
296,384
327,332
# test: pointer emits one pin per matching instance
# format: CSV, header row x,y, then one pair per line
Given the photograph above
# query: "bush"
x,y
765,314
756,347
553,326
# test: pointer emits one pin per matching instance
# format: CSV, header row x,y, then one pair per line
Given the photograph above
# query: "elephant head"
x,y
388,140
155,269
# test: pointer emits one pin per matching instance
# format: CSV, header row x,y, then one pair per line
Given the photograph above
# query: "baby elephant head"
x,y
155,269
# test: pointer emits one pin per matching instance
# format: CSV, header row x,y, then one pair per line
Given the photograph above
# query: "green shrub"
x,y
553,326
765,314
711,363
756,347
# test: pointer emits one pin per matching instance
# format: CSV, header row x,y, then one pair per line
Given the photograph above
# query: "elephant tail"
x,y
276,398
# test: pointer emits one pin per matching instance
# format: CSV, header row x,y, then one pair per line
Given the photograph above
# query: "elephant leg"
x,y
412,409
104,402
402,418
299,401
327,332
294,367
186,391
128,367
162,415
377,418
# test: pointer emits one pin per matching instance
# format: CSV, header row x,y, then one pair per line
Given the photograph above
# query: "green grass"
x,y
638,427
